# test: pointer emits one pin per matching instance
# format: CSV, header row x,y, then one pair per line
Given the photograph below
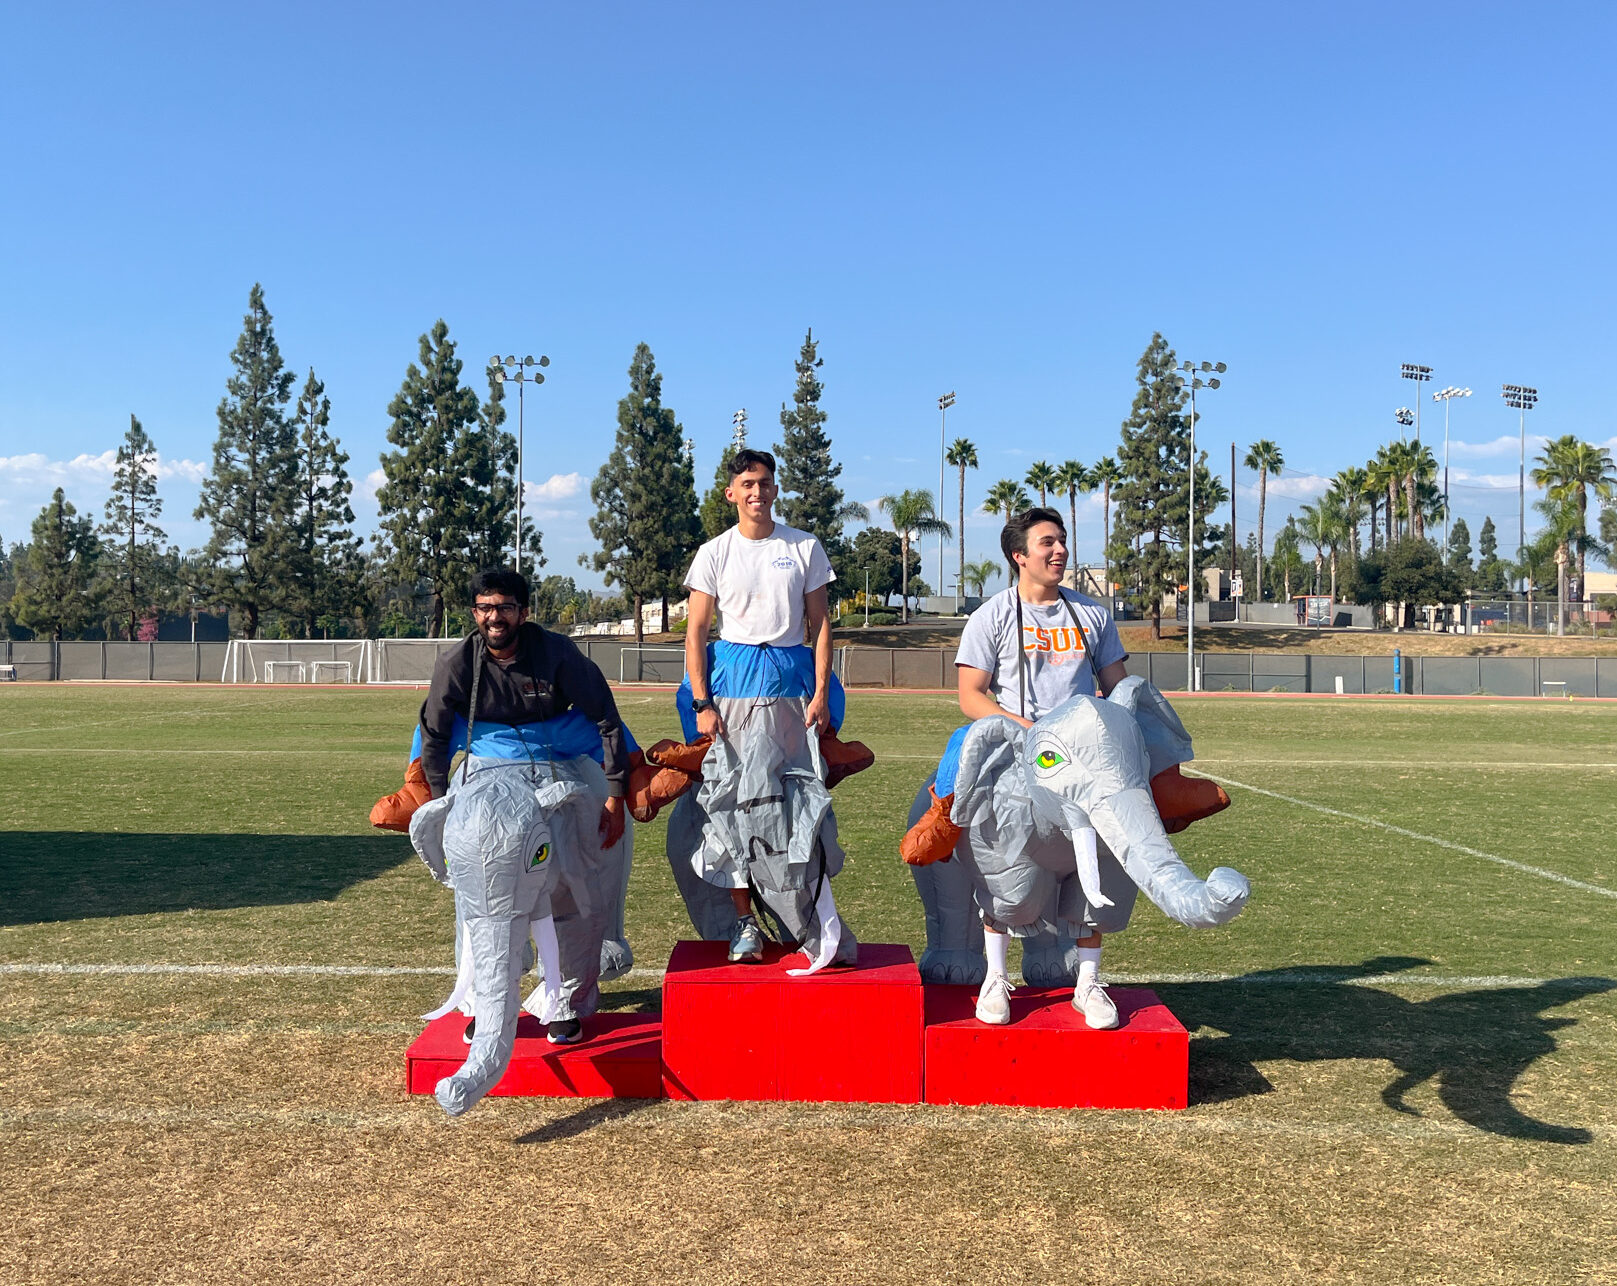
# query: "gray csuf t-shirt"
x,y
1053,648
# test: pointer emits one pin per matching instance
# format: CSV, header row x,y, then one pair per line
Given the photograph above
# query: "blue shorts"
x,y
757,670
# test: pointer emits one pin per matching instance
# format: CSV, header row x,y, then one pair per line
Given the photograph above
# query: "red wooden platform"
x,y
846,1035
620,1057
1047,1057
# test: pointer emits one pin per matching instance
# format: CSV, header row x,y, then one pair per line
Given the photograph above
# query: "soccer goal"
x,y
298,661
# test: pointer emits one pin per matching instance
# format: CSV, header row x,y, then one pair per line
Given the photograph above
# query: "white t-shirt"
x,y
1053,648
760,584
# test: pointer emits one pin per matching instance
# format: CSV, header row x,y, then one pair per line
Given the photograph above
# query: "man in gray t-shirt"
x,y
1056,638
1066,645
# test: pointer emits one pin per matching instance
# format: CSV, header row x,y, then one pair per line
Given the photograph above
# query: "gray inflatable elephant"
x,y
1059,832
517,843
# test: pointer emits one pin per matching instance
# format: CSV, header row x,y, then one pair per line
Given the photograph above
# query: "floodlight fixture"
x,y
1220,367
499,375
1404,416
511,361
1521,398
528,360
543,360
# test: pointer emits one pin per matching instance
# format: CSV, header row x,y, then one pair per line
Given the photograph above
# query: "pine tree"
x,y
250,492
718,514
425,509
56,593
645,497
133,545
326,559
810,499
1490,574
1460,548
1153,500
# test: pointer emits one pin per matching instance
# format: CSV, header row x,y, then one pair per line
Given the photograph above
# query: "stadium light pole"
x,y
1523,399
944,403
518,373
1192,379
1445,396
1420,374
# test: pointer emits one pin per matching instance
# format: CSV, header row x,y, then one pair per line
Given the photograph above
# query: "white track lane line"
x,y
1279,977
1541,872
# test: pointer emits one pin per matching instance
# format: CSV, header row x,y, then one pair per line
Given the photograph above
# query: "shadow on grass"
x,y
76,875
1474,1044
586,1118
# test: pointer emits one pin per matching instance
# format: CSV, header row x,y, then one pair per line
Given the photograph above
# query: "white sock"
x,y
998,946
1088,965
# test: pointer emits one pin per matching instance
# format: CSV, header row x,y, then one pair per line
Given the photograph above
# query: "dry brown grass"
x,y
184,1148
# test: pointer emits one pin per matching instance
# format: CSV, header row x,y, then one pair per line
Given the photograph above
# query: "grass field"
x,y
1404,1064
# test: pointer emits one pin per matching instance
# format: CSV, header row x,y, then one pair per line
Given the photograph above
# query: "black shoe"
x,y
471,1030
565,1031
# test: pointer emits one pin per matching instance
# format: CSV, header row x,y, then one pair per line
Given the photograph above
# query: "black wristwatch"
x,y
699,704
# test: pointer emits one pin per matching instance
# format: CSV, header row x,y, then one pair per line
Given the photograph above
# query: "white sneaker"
x,y
994,1000
1090,999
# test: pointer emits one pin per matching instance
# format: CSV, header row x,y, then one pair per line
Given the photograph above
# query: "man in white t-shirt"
x,y
765,816
1022,654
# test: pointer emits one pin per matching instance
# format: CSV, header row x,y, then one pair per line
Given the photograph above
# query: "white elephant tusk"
x,y
1083,843
830,933
544,1001
463,979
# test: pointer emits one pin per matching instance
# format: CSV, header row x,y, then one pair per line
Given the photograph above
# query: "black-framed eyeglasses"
x,y
496,609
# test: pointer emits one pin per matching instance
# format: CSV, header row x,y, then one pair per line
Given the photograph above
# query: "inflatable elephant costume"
x,y
517,842
1058,832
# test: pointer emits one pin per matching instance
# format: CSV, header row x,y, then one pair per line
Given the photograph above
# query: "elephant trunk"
x,y
498,944
1129,824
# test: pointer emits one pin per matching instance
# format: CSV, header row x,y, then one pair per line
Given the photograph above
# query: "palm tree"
x,y
1315,526
963,455
1006,497
1352,486
1103,475
1042,476
1264,457
979,574
1286,551
1384,476
1072,478
1422,467
911,512
1567,470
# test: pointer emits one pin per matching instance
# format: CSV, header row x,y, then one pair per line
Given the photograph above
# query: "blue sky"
x,y
1002,201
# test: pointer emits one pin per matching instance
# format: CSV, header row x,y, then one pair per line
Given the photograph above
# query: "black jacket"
x,y
547,677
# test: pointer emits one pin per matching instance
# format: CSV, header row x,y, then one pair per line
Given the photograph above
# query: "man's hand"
x,y
818,713
708,724
612,822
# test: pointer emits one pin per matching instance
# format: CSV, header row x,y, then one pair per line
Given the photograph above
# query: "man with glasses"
x,y
525,674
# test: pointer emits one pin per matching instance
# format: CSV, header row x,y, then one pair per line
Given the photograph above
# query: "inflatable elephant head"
x,y
505,839
1055,829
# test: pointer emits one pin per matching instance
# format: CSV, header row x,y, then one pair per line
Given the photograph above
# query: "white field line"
x,y
1279,977
1542,872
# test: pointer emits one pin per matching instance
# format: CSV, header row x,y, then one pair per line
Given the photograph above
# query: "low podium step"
x,y
1047,1057
847,1035
619,1057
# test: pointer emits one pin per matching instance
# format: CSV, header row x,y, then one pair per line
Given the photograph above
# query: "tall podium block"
x,y
620,1057
844,1035
1048,1057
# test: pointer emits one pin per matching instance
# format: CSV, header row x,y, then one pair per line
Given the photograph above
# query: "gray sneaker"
x,y
747,942
1090,999
994,1000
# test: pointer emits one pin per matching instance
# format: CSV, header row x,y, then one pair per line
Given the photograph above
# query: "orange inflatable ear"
x,y
660,775
933,837
843,758
393,812
1181,800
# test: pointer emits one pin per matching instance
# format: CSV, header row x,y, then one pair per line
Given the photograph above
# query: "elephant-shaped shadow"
x,y
1474,1044
517,843
1057,828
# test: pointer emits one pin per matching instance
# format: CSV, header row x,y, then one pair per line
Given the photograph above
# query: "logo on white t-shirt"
x,y
784,563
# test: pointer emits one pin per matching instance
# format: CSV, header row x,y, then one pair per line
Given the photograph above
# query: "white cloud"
x,y
367,487
1302,486
1510,445
558,486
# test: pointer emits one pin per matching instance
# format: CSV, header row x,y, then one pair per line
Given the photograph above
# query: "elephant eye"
x,y
540,855
1048,759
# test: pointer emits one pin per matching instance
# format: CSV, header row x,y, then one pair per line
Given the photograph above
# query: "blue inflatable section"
x,y
568,736
949,765
758,670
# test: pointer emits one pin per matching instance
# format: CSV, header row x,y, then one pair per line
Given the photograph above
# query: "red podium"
x,y
846,1035
620,1057
1047,1057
